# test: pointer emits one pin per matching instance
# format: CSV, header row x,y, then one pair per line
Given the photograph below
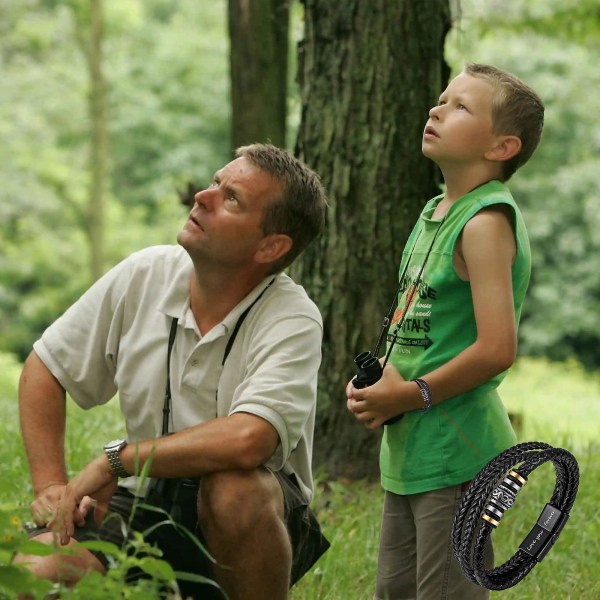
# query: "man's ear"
x,y
273,247
507,147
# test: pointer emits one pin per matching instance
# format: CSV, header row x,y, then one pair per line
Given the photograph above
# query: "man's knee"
x,y
237,501
67,568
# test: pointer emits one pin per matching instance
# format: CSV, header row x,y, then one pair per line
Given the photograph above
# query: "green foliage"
x,y
168,100
351,512
557,403
137,557
167,72
567,21
558,190
166,66
87,431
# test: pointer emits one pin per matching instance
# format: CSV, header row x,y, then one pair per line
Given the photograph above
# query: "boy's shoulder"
x,y
491,192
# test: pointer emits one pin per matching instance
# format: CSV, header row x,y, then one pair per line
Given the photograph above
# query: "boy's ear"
x,y
507,147
273,247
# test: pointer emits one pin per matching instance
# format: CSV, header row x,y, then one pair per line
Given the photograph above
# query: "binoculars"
x,y
369,371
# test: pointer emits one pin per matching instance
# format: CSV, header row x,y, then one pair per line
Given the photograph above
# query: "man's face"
x,y
224,225
459,129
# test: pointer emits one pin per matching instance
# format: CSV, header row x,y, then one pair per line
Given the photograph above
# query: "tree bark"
x,y
258,30
369,72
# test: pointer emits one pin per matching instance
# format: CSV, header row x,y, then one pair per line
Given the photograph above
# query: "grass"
x,y
557,404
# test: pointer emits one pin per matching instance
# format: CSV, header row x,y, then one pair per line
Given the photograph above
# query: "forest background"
x,y
168,119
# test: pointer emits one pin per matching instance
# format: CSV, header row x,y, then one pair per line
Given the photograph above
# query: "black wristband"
x,y
492,492
425,394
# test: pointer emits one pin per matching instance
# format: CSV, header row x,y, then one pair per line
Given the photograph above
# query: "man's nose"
x,y
204,198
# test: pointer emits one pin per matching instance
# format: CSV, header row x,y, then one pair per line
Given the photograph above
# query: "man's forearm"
x,y
240,441
42,410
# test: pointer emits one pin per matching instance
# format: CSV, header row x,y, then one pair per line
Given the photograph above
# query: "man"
x,y
234,409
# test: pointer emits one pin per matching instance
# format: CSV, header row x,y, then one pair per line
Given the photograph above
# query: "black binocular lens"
x,y
369,370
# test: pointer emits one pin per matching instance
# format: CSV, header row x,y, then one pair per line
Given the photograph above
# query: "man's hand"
x,y
46,502
377,403
94,486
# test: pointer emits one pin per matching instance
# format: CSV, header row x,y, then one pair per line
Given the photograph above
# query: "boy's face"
x,y
459,129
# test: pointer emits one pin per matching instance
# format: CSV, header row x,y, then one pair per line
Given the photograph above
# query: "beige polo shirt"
x,y
114,339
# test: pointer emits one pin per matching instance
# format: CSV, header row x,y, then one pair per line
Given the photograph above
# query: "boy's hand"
x,y
375,404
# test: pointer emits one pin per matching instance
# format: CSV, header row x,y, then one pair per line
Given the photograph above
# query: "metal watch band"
x,y
114,460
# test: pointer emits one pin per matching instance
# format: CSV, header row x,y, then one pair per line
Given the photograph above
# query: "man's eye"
x,y
231,198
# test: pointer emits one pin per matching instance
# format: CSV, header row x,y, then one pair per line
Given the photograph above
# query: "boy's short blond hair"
x,y
516,110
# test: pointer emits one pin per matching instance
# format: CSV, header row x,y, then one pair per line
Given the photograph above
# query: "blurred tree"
x,y
369,73
169,101
168,124
90,35
258,33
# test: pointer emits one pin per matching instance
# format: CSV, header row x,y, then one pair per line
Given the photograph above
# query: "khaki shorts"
x,y
416,560
308,542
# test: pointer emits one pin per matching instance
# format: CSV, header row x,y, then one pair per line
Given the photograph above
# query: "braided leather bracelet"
x,y
492,492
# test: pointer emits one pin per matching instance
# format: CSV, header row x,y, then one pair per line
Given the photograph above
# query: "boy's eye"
x,y
461,107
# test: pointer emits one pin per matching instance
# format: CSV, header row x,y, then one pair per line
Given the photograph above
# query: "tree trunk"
x,y
90,34
258,30
369,72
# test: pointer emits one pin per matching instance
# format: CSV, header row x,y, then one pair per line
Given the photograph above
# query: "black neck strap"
x,y
387,319
173,332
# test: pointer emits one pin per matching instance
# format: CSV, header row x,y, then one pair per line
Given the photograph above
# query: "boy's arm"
x,y
488,249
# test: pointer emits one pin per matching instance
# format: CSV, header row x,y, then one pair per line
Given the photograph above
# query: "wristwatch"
x,y
112,450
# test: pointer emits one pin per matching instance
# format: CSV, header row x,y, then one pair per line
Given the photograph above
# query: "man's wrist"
x,y
39,489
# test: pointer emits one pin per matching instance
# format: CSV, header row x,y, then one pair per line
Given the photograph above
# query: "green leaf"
x,y
101,546
157,568
18,579
40,549
185,576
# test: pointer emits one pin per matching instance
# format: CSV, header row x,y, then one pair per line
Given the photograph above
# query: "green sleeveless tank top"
x,y
450,443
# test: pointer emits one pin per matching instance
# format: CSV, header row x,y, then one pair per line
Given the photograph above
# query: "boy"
x,y
465,271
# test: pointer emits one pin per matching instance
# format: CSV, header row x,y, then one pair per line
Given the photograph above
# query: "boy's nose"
x,y
434,112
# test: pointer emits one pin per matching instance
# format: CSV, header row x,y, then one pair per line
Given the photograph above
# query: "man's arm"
x,y
42,411
239,441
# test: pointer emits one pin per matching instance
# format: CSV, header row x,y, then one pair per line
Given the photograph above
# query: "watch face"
x,y
114,444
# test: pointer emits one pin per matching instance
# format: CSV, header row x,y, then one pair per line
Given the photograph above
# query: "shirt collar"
x,y
175,301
